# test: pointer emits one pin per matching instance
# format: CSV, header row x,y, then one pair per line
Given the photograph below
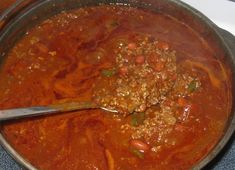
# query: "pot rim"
x,y
213,27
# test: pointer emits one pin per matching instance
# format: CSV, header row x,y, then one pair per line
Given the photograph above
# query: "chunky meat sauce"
x,y
145,72
171,93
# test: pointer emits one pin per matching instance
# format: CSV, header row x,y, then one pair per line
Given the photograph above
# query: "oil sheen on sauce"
x,y
59,60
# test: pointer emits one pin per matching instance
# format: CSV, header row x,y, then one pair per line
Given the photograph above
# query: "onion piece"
x,y
214,80
110,159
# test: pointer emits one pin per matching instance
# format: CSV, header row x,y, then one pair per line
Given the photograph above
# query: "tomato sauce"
x,y
60,60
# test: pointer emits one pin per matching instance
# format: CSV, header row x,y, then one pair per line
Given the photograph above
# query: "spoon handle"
x,y
43,110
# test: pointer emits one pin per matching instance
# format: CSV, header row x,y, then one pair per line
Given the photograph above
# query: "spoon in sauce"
x,y
17,113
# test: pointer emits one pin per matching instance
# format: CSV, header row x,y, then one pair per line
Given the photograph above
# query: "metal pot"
x,y
24,14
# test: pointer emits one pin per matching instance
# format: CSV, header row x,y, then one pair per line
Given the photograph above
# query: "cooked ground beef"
x,y
144,73
155,127
146,84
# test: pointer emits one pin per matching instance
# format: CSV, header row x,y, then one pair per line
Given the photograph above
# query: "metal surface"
x,y
221,43
8,12
17,113
230,41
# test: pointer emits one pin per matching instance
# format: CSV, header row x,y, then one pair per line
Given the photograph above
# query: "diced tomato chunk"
x,y
132,46
182,102
163,46
140,145
140,59
123,70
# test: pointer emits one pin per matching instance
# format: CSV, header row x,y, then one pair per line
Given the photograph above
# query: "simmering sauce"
x,y
171,93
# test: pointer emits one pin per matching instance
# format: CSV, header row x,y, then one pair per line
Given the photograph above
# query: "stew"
x,y
171,92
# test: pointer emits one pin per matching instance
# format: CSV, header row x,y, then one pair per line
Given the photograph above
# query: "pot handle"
x,y
229,39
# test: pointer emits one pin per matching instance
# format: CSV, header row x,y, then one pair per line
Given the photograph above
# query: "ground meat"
x,y
146,83
185,84
161,119
145,73
154,127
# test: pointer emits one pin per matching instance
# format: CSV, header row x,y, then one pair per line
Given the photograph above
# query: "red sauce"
x,y
61,58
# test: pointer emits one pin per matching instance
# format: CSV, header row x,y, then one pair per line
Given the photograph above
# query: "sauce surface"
x,y
63,59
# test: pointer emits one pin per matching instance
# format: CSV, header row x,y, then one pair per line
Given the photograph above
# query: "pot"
x,y
25,14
